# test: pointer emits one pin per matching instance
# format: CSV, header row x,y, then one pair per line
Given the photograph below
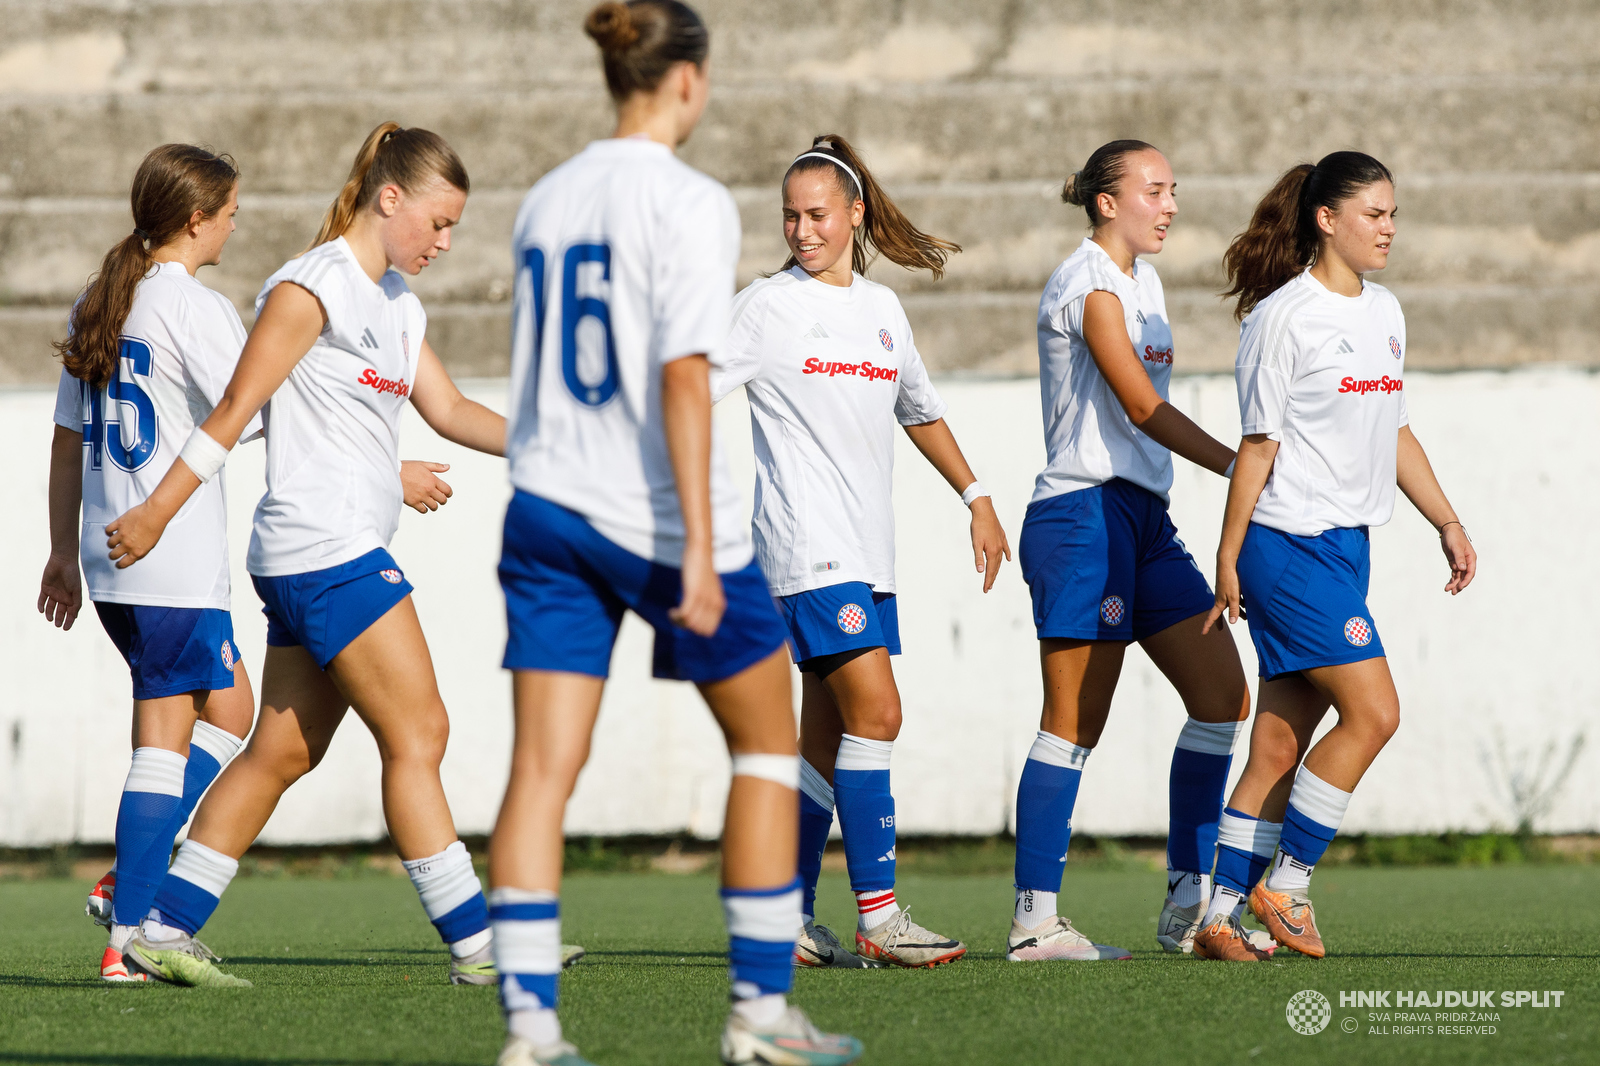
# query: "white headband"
x,y
860,188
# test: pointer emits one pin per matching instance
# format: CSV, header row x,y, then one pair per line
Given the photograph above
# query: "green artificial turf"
x,y
348,972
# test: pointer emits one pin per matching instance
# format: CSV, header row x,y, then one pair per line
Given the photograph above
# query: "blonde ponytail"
x,y
391,155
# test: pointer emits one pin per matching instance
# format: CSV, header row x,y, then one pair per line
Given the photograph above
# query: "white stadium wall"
x,y
1497,686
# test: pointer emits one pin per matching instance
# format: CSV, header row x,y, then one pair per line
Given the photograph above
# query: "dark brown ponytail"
x,y
1101,174
641,40
172,183
884,227
1282,239
391,155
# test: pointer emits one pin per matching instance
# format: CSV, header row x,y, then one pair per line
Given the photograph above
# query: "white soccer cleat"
x,y
902,942
519,1052
817,946
1176,927
791,1041
1056,940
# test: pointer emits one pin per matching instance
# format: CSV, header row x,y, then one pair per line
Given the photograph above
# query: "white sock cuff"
x,y
1052,750
1266,842
1318,800
859,753
1210,738
771,918
156,770
501,897
1259,838
444,881
204,868
779,769
220,744
813,784
526,946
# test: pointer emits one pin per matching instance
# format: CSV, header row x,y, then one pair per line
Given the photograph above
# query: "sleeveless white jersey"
x,y
625,262
1323,374
333,428
829,372
179,347
1089,439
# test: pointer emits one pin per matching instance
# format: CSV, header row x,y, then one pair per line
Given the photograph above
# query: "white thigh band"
x,y
781,769
203,455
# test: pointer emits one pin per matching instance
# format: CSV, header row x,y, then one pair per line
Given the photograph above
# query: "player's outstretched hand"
x,y
1229,601
61,591
423,489
700,609
132,536
989,544
1461,555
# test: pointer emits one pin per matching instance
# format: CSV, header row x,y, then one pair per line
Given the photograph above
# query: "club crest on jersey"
x,y
227,654
1113,610
852,619
1358,632
1394,346
393,577
886,340
405,345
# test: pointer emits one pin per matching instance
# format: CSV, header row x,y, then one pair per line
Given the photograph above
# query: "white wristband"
x,y
974,490
1228,473
203,455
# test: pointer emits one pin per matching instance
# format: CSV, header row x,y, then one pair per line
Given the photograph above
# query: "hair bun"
x,y
1069,189
611,26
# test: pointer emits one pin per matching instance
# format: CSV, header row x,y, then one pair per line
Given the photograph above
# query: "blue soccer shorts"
x,y
1306,598
172,650
838,618
324,610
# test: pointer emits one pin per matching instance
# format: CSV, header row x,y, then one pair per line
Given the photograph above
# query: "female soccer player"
x,y
1326,440
337,348
149,351
830,367
1103,561
623,501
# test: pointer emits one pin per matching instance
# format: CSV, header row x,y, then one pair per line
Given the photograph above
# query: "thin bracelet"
x,y
1453,522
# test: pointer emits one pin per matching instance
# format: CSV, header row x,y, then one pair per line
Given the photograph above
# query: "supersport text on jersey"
x,y
830,372
179,344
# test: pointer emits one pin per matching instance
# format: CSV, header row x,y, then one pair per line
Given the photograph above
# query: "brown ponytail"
x,y
1282,239
1101,174
884,228
172,183
391,155
641,40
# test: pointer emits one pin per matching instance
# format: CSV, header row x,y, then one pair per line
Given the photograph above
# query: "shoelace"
x,y
200,951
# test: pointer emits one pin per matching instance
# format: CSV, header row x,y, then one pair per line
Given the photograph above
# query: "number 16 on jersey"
x,y
588,351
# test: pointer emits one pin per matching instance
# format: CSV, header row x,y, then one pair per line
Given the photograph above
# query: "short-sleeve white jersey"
x,y
829,371
333,428
1089,439
1323,375
625,261
179,346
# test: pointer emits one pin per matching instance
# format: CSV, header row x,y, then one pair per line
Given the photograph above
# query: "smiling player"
x,y
1103,560
829,365
1326,440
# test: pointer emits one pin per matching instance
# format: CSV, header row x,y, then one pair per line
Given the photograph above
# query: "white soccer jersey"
x,y
1089,439
1322,374
829,372
625,262
180,344
333,428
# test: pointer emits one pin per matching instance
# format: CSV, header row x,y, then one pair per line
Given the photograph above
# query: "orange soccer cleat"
x,y
1226,941
1289,918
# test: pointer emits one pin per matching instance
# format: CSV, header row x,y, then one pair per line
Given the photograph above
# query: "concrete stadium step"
x,y
983,131
1455,230
367,44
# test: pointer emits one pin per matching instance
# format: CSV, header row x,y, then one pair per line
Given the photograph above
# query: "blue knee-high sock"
x,y
209,751
762,923
452,897
1309,825
866,811
151,798
1199,775
1244,848
816,822
527,952
1045,798
193,887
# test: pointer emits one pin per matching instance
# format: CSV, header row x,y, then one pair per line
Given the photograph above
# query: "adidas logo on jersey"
x,y
367,339
1138,316
815,333
1344,347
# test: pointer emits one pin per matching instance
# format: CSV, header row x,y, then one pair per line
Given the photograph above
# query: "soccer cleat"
x,y
182,962
1288,918
112,968
818,947
793,1041
519,1052
1055,939
1226,941
570,954
1262,940
902,942
1176,927
99,905
475,969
